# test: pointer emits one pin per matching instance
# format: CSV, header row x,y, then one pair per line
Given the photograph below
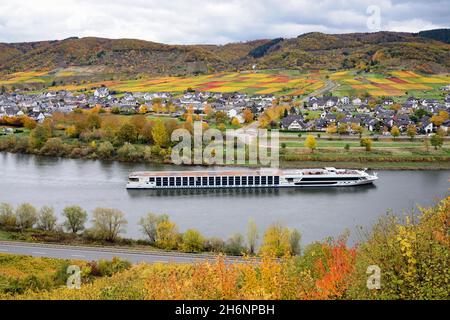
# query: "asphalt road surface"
x,y
94,253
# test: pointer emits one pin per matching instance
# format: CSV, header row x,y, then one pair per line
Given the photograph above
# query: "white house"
x,y
232,113
102,92
345,100
357,101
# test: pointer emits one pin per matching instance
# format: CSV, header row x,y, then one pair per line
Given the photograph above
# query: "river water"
x,y
317,213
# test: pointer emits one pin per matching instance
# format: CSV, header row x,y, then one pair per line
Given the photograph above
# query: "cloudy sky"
x,y
212,21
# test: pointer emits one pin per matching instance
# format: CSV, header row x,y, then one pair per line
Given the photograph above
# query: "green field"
x,y
352,144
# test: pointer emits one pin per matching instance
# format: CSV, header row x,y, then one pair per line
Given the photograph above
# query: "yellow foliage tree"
x,y
395,132
71,131
143,109
208,110
159,134
235,122
167,236
310,143
439,118
248,115
276,241
332,129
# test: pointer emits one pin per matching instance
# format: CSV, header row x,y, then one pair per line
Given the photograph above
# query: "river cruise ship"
x,y
261,178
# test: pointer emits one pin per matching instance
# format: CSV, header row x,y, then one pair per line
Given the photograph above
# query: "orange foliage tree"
x,y
334,271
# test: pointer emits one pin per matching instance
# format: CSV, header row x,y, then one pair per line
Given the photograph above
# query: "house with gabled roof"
x,y
293,123
425,125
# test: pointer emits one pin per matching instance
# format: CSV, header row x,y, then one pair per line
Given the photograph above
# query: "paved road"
x,y
93,253
329,86
249,133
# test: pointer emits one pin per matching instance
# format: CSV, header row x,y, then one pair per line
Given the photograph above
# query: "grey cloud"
x,y
208,21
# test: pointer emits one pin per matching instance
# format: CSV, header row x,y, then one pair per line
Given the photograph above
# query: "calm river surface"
x,y
317,213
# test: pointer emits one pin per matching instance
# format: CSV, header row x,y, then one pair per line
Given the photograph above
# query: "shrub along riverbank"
x,y
139,138
26,223
399,259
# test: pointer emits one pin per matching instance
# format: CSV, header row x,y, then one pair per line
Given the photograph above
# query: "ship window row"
x,y
216,181
331,179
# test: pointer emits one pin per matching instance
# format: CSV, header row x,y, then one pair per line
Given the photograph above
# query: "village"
x,y
347,115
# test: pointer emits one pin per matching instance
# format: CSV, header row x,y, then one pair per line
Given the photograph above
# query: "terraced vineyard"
x,y
394,84
250,83
23,77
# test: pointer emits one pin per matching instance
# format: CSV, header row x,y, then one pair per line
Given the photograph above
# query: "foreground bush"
x,y
413,256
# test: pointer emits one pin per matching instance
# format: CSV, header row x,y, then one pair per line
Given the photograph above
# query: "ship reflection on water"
x,y
249,192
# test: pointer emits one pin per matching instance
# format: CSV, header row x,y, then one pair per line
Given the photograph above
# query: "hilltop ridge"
x,y
421,52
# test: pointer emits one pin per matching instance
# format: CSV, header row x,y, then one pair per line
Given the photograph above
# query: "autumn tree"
x,y
235,122
26,216
39,136
294,239
172,124
159,134
105,150
127,152
93,121
276,241
7,216
342,128
149,223
72,132
334,270
411,131
331,129
235,245
396,107
143,109
127,133
193,241
252,236
220,117
76,218
357,128
263,123
436,141
426,144
167,235
29,123
248,115
440,118
147,135
47,219
310,143
107,224
138,121
395,132
208,111
156,105
366,143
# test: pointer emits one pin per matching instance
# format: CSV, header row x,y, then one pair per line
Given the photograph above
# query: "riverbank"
x,y
439,160
403,165
339,151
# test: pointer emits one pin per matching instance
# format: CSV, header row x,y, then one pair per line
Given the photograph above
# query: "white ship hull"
x,y
263,178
